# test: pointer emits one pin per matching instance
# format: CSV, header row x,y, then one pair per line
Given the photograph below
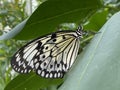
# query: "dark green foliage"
x,y
97,68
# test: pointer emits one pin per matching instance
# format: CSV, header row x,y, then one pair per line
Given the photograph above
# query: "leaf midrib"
x,y
91,57
59,15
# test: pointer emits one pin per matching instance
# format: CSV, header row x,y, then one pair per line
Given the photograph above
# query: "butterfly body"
x,y
49,56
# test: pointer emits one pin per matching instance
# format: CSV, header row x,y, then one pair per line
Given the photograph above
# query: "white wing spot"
x,y
32,64
51,75
18,69
25,71
14,66
21,71
17,55
55,75
17,59
58,74
39,71
38,53
24,66
43,73
37,65
29,71
35,60
19,63
47,75
64,69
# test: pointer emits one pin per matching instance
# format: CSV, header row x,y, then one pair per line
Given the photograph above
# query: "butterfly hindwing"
x,y
23,60
50,56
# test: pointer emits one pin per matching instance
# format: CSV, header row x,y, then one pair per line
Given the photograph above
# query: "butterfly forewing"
x,y
49,56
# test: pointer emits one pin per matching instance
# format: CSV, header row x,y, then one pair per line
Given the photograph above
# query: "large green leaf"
x,y
98,67
31,82
95,22
2,83
54,12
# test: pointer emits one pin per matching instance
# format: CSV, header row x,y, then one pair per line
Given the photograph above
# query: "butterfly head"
x,y
80,32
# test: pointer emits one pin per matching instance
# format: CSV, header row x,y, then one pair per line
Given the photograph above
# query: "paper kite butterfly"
x,y
50,56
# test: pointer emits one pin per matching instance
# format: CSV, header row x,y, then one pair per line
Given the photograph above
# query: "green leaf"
x,y
97,20
98,67
2,83
51,13
31,82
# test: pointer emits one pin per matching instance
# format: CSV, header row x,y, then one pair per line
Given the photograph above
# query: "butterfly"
x,y
50,56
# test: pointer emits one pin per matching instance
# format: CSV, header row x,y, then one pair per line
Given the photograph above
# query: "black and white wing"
x,y
49,56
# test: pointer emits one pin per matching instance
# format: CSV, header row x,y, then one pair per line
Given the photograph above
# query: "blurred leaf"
x,y
13,32
3,12
98,67
54,12
2,84
31,82
97,20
